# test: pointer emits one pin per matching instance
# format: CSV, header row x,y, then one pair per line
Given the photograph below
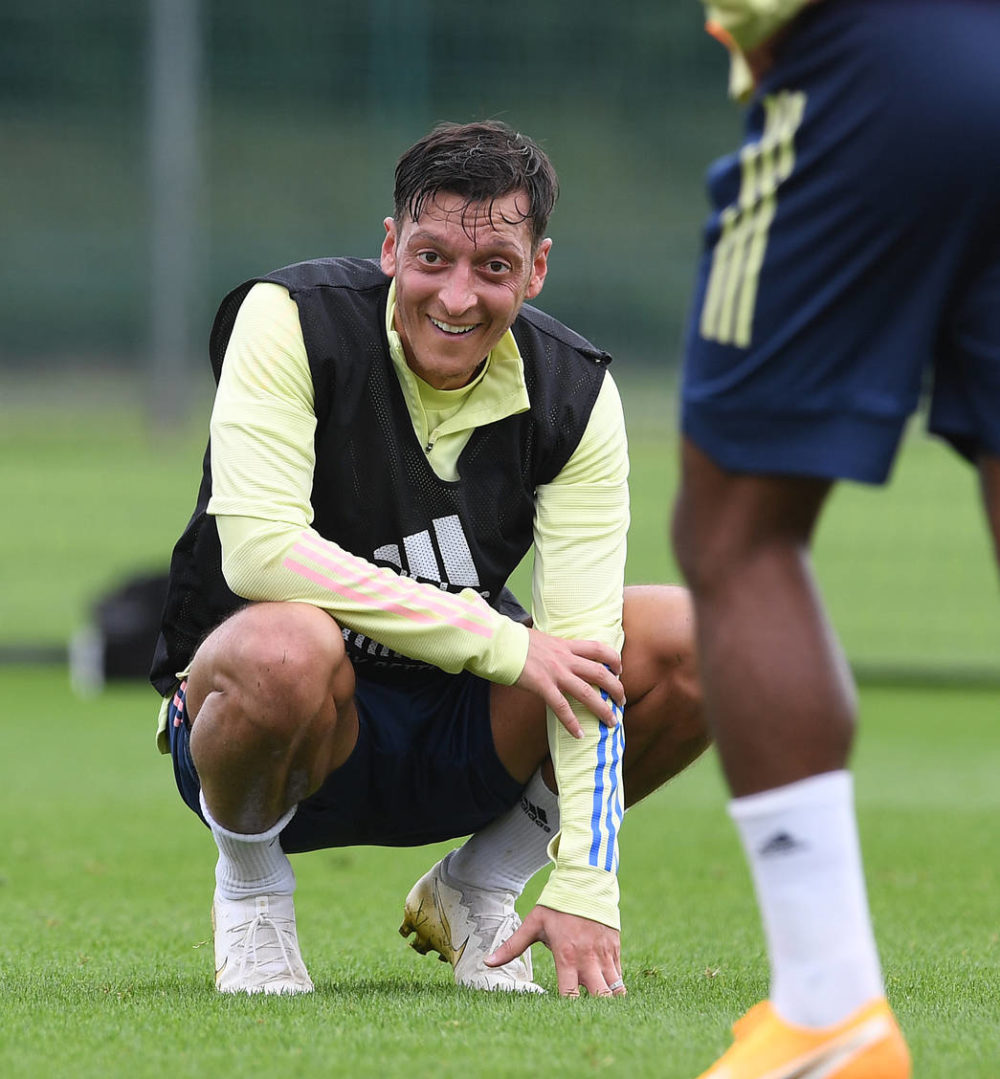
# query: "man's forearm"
x,y
266,560
591,806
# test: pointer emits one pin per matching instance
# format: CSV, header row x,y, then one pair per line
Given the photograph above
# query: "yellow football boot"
x,y
867,1045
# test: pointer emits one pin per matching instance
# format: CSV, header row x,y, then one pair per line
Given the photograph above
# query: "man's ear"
x,y
539,268
388,256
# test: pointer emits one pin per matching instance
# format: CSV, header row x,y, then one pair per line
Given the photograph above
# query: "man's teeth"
x,y
448,328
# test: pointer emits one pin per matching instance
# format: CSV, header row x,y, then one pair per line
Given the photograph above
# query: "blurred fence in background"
x,y
157,152
301,111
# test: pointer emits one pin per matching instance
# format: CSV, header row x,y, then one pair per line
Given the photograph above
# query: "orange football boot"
x,y
866,1045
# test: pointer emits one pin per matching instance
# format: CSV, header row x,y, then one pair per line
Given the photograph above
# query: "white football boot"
x,y
464,925
257,946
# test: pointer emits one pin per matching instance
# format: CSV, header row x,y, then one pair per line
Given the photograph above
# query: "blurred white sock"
x,y
801,841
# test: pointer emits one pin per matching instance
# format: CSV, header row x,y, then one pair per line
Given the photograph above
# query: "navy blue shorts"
x,y
852,258
424,768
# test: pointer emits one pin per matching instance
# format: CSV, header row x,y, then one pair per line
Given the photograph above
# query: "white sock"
x,y
250,865
802,844
507,853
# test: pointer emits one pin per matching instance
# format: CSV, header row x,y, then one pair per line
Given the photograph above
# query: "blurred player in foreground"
x,y
388,440
852,258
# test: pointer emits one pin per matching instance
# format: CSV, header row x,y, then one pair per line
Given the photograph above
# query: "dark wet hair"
x,y
480,162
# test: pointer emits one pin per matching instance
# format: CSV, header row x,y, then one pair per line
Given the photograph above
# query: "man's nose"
x,y
457,294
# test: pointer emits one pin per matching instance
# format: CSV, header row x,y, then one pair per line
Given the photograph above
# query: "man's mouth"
x,y
458,331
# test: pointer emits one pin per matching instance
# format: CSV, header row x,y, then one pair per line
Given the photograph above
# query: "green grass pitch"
x,y
106,879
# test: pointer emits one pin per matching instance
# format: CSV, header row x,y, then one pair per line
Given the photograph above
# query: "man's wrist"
x,y
504,658
585,892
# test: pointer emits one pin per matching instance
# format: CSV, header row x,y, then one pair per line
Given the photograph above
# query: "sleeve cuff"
x,y
585,892
506,655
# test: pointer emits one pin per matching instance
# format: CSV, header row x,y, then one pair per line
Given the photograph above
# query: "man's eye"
x,y
496,266
429,258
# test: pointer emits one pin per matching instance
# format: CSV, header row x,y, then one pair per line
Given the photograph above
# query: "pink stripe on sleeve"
x,y
380,597
358,572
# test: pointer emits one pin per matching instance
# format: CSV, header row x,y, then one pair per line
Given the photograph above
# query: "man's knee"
x,y
659,660
699,534
274,664
725,522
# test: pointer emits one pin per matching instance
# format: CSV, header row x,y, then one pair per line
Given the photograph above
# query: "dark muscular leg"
x,y
778,693
989,479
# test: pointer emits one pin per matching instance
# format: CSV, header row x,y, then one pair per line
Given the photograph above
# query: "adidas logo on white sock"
x,y
780,843
536,814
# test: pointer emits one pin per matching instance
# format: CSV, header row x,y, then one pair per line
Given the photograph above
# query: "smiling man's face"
x,y
462,272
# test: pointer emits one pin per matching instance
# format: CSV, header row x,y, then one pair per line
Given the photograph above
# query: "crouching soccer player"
x,y
340,660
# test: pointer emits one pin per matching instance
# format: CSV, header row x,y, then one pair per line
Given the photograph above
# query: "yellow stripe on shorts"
x,y
727,313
